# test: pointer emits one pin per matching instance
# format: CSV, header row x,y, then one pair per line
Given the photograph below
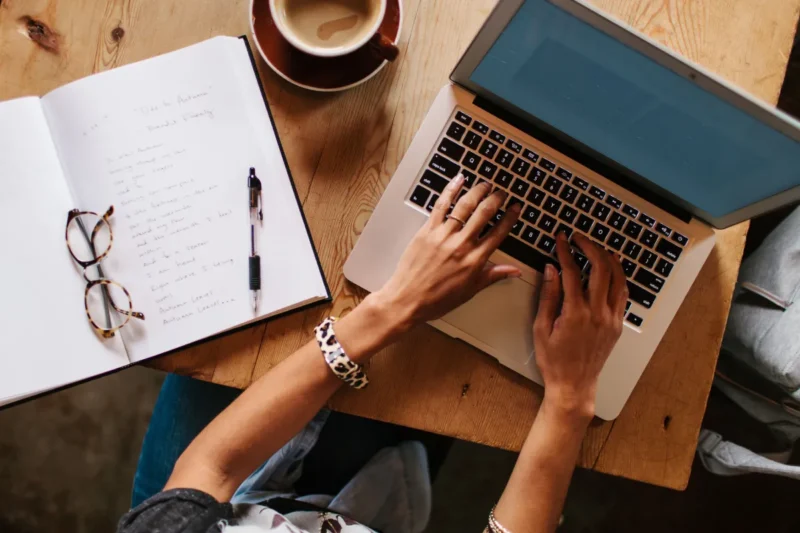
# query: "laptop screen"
x,y
645,117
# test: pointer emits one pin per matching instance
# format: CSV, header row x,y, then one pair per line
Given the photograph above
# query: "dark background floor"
x,y
67,461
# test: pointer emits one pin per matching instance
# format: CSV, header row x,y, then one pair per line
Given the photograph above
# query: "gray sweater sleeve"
x,y
176,511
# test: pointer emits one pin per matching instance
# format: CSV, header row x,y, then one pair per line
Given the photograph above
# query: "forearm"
x,y
277,406
535,493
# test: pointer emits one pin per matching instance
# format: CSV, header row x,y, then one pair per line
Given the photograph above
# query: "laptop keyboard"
x,y
554,199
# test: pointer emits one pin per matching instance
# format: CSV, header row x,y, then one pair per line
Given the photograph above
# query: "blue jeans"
x,y
185,406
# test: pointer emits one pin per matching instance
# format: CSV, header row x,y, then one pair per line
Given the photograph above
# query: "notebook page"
x,y
46,340
169,142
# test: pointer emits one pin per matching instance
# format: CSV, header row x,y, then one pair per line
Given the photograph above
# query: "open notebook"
x,y
168,142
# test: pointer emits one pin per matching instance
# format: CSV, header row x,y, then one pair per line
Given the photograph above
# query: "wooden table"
x,y
343,149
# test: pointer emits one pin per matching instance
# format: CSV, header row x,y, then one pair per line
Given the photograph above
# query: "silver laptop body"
x,y
552,103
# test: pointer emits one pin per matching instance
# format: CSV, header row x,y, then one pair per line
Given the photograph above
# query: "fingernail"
x,y
549,272
516,274
457,181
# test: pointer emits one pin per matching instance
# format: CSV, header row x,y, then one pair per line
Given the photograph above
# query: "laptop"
x,y
596,129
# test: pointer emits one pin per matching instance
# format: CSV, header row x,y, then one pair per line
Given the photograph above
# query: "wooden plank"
x,y
343,149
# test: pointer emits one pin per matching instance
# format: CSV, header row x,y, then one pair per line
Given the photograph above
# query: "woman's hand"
x,y
572,345
445,264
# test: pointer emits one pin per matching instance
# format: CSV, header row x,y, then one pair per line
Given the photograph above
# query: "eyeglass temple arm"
x,y
106,296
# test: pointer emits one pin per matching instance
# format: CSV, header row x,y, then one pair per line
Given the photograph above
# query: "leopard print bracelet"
x,y
344,369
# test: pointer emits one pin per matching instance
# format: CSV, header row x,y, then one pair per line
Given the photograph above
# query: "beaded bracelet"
x,y
495,526
348,371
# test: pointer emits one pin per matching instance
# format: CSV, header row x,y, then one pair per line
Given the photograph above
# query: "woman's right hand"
x,y
575,330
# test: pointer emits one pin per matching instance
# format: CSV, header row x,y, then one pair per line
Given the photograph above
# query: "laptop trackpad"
x,y
500,316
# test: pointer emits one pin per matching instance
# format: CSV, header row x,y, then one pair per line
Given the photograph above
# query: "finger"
x,y
549,302
467,205
494,273
570,273
483,213
442,206
618,294
493,239
600,276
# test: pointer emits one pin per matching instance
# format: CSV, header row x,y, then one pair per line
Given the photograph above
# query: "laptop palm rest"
x,y
501,319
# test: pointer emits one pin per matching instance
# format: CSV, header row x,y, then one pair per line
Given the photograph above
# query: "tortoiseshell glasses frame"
x,y
76,216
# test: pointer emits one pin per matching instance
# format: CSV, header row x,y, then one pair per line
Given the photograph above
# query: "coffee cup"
x,y
332,28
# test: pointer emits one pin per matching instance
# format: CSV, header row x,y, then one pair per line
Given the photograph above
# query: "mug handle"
x,y
383,47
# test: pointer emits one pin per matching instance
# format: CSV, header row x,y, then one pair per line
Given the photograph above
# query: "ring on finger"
x,y
453,217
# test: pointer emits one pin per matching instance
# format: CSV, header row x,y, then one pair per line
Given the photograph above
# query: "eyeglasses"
x,y
102,295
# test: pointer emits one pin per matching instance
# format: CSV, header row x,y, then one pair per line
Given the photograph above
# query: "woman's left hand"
x,y
445,263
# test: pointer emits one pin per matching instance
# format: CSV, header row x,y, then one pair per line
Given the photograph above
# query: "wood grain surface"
x,y
342,150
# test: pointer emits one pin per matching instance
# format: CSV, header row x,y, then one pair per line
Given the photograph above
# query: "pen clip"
x,y
254,184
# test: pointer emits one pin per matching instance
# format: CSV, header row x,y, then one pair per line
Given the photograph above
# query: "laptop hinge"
x,y
584,158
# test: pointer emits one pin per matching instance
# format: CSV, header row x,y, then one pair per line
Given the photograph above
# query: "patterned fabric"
x,y
345,369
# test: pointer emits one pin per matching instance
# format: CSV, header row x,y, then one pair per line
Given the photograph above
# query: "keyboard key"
x,y
633,229
664,267
514,146
568,194
471,160
520,187
648,238
546,243
632,249
585,203
530,235
455,131
563,228
444,165
630,211
536,196
634,319
481,180
537,176
668,249
433,180
498,216
601,211
517,227
617,221
514,200
481,127
551,205
497,136
680,239
522,252
420,195
627,305
528,154
584,223
614,201
568,214
578,182
469,178
521,167
647,220
503,177
547,164
648,259
488,149
432,202
597,193
600,232
504,158
641,296
649,280
616,241
580,259
450,149
547,223
463,117
564,174
663,230
488,169
530,214
628,267
552,185
472,140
